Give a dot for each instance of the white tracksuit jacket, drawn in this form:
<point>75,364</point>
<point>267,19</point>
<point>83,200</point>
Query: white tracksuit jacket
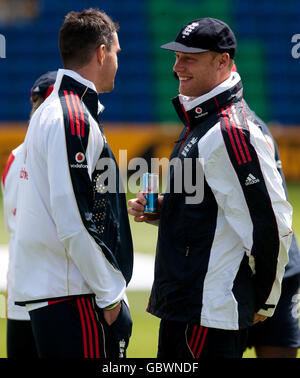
<point>60,250</point>
<point>10,180</point>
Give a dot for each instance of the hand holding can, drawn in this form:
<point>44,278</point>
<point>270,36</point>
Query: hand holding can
<point>150,191</point>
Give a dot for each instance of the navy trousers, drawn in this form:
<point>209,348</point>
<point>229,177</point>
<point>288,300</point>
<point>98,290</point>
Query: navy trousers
<point>76,328</point>
<point>178,340</point>
<point>20,341</point>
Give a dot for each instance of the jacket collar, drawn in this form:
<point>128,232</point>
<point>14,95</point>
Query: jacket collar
<point>86,90</point>
<point>192,112</point>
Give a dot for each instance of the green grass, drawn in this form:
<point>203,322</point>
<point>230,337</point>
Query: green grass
<point>144,237</point>
<point>294,198</point>
<point>2,338</point>
<point>4,236</point>
<point>143,343</point>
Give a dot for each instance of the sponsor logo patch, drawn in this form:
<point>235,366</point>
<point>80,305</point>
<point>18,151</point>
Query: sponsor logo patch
<point>80,158</point>
<point>250,180</point>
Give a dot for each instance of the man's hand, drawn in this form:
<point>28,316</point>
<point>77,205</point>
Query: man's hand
<point>259,318</point>
<point>137,207</point>
<point>110,316</point>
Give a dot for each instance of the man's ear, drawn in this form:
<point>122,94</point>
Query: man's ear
<point>223,60</point>
<point>101,51</point>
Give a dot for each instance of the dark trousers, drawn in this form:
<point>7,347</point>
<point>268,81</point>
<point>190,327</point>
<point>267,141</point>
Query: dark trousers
<point>178,340</point>
<point>281,329</point>
<point>20,340</point>
<point>76,328</point>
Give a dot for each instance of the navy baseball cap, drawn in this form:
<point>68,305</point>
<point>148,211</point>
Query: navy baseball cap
<point>204,34</point>
<point>43,86</point>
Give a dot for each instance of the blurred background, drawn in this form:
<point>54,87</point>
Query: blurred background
<point>139,116</point>
<point>140,104</point>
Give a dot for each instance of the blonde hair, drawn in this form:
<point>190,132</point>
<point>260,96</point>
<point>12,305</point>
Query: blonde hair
<point>36,100</point>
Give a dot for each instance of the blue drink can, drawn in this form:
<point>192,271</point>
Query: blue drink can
<point>150,191</point>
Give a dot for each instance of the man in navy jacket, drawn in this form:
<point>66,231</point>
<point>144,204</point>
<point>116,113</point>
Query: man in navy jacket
<point>221,255</point>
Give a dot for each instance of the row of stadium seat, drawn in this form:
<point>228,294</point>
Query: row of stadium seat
<point>144,81</point>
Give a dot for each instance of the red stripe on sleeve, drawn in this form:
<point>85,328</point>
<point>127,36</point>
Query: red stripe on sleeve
<point>81,114</point>
<point>70,112</point>
<point>236,134</point>
<point>8,164</point>
<point>231,137</point>
<point>76,113</point>
<point>242,135</point>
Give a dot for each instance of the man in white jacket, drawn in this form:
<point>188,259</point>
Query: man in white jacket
<point>74,252</point>
<point>19,339</point>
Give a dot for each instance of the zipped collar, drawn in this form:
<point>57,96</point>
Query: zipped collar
<point>193,112</point>
<point>86,90</point>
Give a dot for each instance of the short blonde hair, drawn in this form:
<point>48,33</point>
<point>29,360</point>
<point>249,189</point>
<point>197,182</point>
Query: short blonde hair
<point>36,100</point>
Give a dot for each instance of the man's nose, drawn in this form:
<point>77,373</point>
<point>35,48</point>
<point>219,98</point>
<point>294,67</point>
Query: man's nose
<point>177,66</point>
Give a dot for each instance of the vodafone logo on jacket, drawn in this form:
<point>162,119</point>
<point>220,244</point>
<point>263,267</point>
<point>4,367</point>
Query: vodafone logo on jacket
<point>80,157</point>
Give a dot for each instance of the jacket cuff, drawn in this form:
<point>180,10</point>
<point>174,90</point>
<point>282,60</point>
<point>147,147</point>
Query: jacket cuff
<point>267,310</point>
<point>112,306</point>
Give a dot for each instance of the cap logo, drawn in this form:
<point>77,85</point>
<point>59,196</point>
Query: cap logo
<point>187,31</point>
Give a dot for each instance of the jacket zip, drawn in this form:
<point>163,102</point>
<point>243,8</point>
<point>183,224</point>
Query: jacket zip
<point>188,126</point>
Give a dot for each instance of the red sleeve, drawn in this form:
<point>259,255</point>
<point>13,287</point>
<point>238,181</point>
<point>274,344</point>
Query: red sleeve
<point>7,167</point>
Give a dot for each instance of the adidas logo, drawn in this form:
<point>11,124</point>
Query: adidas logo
<point>250,180</point>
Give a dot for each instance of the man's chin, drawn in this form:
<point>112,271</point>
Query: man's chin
<point>185,91</point>
<point>107,89</point>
